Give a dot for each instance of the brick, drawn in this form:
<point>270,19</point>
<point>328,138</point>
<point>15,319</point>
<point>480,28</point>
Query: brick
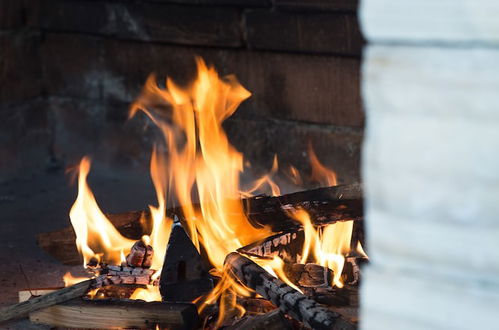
<point>101,130</point>
<point>11,14</point>
<point>143,21</point>
<point>330,33</point>
<point>211,26</point>
<point>19,66</point>
<point>24,138</point>
<point>286,86</point>
<point>259,140</point>
<point>315,89</point>
<point>317,5</point>
<point>73,66</point>
<point>71,16</point>
<point>238,3</point>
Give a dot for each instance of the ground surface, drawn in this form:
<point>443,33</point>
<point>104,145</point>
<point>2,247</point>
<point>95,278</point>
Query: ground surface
<point>41,203</point>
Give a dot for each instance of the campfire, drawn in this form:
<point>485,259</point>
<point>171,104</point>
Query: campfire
<point>231,255</point>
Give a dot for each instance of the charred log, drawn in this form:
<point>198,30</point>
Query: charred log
<point>287,299</point>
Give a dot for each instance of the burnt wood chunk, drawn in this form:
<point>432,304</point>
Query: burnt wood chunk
<point>120,313</point>
<point>287,299</point>
<point>309,275</point>
<point>184,276</point>
<point>140,255</point>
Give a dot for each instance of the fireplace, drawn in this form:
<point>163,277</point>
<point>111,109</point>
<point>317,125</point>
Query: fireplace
<point>247,117</point>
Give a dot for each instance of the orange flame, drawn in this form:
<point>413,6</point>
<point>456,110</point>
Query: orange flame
<point>202,158</point>
<point>96,236</point>
<point>265,179</point>
<point>320,173</point>
<point>326,246</point>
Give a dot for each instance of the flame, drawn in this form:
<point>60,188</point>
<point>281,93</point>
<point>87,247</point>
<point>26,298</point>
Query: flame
<point>265,179</point>
<point>202,159</point>
<point>294,175</point>
<point>151,293</point>
<point>71,280</point>
<point>320,173</point>
<point>326,246</point>
<point>96,237</point>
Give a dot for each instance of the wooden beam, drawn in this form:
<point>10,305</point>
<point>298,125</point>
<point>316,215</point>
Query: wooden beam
<point>120,313</point>
<point>22,309</point>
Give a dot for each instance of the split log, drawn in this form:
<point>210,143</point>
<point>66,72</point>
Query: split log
<point>287,299</point>
<point>124,275</point>
<point>61,243</point>
<point>74,291</point>
<point>185,276</point>
<point>309,275</point>
<point>325,205</point>
<point>121,313</point>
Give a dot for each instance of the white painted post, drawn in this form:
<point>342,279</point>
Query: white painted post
<point>431,164</point>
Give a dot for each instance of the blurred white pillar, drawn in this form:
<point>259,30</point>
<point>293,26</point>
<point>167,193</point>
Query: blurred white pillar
<point>431,164</point>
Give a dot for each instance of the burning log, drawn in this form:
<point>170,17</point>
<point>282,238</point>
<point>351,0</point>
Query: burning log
<point>123,313</point>
<point>74,291</point>
<point>140,255</point>
<point>325,205</point>
<point>289,301</point>
<point>309,275</point>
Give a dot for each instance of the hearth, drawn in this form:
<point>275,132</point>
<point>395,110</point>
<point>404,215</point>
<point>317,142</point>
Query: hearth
<point>227,256</point>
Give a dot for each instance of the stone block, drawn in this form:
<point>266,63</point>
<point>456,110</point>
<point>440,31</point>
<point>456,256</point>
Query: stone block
<point>88,127</point>
<point>433,246</point>
<point>444,22</point>
<point>172,23</point>
<point>330,33</point>
<point>260,140</point>
<point>73,66</point>
<point>317,5</point>
<point>318,89</point>
<point>25,138</point>
<point>397,300</point>
<point>237,3</point>
<point>19,67</point>
<point>11,14</point>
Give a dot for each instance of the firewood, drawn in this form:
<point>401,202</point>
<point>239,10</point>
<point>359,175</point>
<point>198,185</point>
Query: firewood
<point>287,299</point>
<point>184,276</point>
<point>74,291</point>
<point>119,313</point>
<point>124,275</point>
<point>325,205</point>
<point>273,320</point>
<point>309,275</point>
<point>140,255</point>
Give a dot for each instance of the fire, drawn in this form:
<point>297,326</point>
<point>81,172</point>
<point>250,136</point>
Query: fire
<point>194,160</point>
<point>71,280</point>
<point>202,159</point>
<point>320,173</point>
<point>96,237</point>
<point>326,246</point>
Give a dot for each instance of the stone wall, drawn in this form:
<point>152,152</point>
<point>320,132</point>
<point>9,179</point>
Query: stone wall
<point>430,85</point>
<point>71,67</point>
